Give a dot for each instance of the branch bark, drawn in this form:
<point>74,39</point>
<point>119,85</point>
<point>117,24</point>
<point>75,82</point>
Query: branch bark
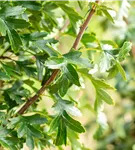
<point>55,73</point>
<point>84,26</point>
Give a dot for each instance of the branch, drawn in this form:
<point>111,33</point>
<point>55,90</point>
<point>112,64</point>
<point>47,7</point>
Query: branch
<point>84,26</point>
<point>40,92</point>
<point>55,73</point>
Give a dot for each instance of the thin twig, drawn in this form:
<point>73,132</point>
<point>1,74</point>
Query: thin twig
<point>83,27</point>
<point>55,73</point>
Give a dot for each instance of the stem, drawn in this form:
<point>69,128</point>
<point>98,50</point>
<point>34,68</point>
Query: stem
<point>84,26</point>
<point>40,92</point>
<point>55,72</point>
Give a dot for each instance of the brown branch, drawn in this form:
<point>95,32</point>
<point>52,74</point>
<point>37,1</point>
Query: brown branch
<point>84,26</point>
<point>55,73</point>
<point>40,92</point>
<point>6,57</point>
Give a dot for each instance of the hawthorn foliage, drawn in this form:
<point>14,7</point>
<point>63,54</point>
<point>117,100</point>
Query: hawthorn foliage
<point>30,63</point>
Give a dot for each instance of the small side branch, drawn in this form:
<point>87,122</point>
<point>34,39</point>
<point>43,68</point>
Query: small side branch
<point>84,26</point>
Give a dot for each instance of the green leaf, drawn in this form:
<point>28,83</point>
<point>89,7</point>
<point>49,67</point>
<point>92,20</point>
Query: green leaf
<point>21,130</point>
<point>105,62</point>
<point>107,14</point>
<point>73,57</point>
<point>4,76</point>
<point>30,141</point>
<point>11,11</point>
<point>40,67</point>
<point>113,72</point>
<point>54,124</point>
<point>35,119</point>
<point>36,36</point>
<point>100,83</point>
<point>10,71</point>
<point>17,23</point>
<point>121,70</point>
<point>66,105</point>
<point>82,4</point>
<point>88,38</point>
<point>72,124</point>
<point>15,40</point>
<point>60,2</point>
<point>55,62</point>
<point>9,143</point>
<point>104,96</point>
<point>13,122</point>
<point>62,133</point>
<point>34,132</point>
<point>4,132</point>
<point>102,125</point>
<point>124,51</point>
<point>71,74</point>
<point>63,85</point>
<point>98,105</point>
<point>72,14</point>
<point>99,133</point>
<point>42,44</point>
<point>3,27</point>
<point>31,5</point>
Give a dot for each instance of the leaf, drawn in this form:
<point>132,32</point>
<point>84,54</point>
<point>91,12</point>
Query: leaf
<point>15,40</point>
<point>4,76</point>
<point>31,5</point>
<point>9,142</point>
<point>54,124</point>
<point>4,132</point>
<point>40,67</point>
<point>13,122</point>
<point>35,119</point>
<point>105,62</point>
<point>63,85</point>
<point>34,132</point>
<point>88,38</point>
<point>68,106</point>
<point>99,133</point>
<point>102,125</point>
<point>100,83</point>
<point>36,36</point>
<point>72,14</point>
<point>104,96</point>
<point>42,44</point>
<point>113,72</point>
<point>107,14</point>
<point>72,124</point>
<point>17,23</point>
<point>11,11</point>
<point>82,4</point>
<point>121,70</point>
<point>73,57</point>
<point>21,130</point>
<point>3,27</point>
<point>98,105</point>
<point>60,2</point>
<point>71,74</point>
<point>10,70</point>
<point>30,142</point>
<point>62,133</point>
<point>124,51</point>
<point>55,63</point>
